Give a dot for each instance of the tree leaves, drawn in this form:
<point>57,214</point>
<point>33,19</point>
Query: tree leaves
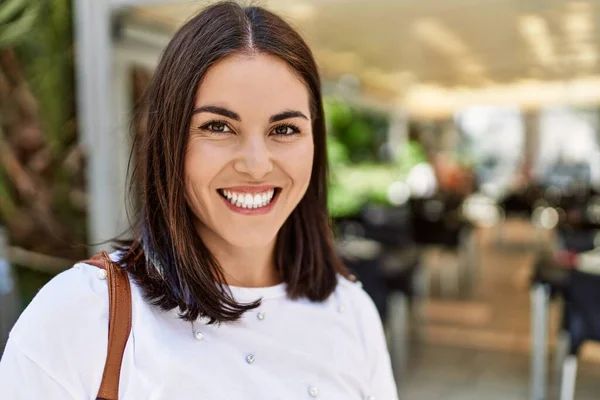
<point>17,18</point>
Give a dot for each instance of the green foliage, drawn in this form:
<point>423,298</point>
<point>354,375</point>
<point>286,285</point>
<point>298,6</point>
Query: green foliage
<point>358,184</point>
<point>411,154</point>
<point>337,153</point>
<point>17,19</point>
<point>40,33</point>
<point>47,54</point>
<point>37,49</point>
<point>362,132</point>
<point>338,115</point>
<point>355,137</point>
<point>7,204</point>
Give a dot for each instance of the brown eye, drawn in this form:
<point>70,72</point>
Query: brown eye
<point>285,130</point>
<point>216,127</point>
<point>282,130</point>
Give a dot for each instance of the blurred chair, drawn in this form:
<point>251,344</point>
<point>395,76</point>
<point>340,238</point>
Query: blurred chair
<point>552,279</point>
<point>522,202</point>
<point>481,211</point>
<point>519,204</point>
<point>582,316</point>
<point>362,256</point>
<point>401,272</point>
<point>549,281</point>
<point>378,247</point>
<point>438,224</point>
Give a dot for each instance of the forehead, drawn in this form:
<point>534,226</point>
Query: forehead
<point>254,83</point>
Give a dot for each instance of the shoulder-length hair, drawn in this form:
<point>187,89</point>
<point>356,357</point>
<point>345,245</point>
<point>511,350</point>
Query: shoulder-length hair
<point>167,258</point>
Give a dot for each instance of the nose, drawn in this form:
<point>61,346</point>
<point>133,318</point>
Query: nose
<point>255,158</point>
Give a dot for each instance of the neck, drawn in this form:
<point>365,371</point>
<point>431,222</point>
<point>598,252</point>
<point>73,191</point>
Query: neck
<point>243,266</point>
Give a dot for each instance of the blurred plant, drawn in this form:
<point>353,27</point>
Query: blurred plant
<point>17,18</point>
<point>337,153</point>
<point>338,115</point>
<point>361,131</point>
<point>358,184</point>
<point>410,154</point>
<point>42,196</point>
<point>355,139</point>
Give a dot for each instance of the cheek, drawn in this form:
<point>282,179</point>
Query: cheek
<point>299,162</point>
<point>202,164</point>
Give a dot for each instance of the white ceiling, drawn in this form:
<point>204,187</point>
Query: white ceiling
<point>432,56</point>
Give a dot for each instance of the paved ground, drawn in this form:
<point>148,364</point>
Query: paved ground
<point>477,347</point>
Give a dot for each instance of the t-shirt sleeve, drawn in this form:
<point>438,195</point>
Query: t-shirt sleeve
<point>59,343</point>
<point>22,379</point>
<point>383,385</point>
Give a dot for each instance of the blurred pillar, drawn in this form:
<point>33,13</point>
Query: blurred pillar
<point>122,95</point>
<point>100,138</point>
<point>531,141</point>
<point>397,132</point>
<point>450,139</point>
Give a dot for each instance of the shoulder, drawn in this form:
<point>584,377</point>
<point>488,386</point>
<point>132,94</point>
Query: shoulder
<point>66,319</point>
<point>76,292</point>
<point>369,327</point>
<point>352,293</point>
<point>351,288</point>
<point>77,295</point>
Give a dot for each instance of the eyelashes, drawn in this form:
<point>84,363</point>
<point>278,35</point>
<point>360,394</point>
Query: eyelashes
<point>216,127</point>
<point>288,129</point>
<point>221,127</point>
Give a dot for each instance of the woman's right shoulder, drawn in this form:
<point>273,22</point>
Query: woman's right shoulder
<point>65,327</point>
<point>62,305</point>
<point>73,302</point>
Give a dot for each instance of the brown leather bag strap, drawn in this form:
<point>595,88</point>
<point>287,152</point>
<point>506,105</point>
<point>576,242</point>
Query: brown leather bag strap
<point>119,324</point>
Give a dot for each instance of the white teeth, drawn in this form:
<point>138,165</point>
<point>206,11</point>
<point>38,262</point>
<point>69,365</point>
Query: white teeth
<point>247,200</point>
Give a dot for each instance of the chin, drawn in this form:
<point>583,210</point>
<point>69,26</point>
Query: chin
<point>255,239</point>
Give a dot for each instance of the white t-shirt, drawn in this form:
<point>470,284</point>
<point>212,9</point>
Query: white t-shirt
<point>286,349</point>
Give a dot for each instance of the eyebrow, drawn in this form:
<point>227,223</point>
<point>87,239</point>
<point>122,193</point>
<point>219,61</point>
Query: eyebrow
<point>218,110</point>
<point>286,115</point>
<point>235,116</point>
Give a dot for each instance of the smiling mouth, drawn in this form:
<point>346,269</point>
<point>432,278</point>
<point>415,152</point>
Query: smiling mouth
<point>250,201</point>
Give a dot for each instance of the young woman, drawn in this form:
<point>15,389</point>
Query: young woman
<point>237,292</point>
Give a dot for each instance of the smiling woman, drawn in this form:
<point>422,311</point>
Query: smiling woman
<point>250,136</point>
<point>236,289</point>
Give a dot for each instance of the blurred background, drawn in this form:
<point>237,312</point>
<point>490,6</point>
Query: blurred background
<point>464,140</point>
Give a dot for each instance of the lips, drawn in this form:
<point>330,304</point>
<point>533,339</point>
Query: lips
<point>250,198</point>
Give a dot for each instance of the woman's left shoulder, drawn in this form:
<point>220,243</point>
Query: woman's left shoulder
<point>370,329</point>
<point>350,291</point>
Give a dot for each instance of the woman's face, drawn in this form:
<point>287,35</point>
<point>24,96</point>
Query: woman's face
<point>250,150</point>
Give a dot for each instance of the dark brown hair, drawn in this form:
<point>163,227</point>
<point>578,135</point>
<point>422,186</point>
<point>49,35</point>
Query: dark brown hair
<point>167,257</point>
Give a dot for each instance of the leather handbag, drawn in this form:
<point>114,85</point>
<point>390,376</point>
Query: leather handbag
<point>119,323</point>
